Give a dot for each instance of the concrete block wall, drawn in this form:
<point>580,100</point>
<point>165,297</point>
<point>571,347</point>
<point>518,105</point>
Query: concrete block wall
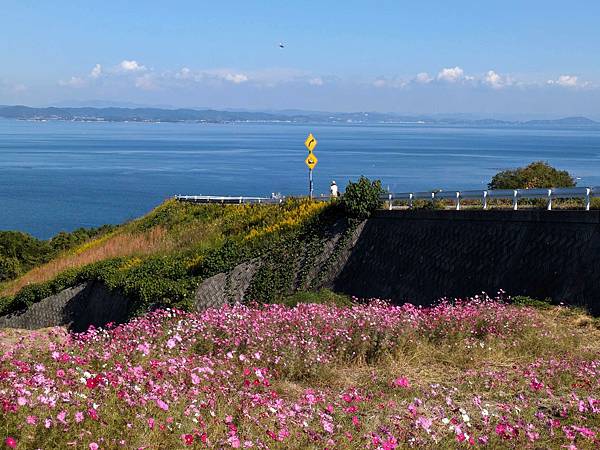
<point>421,255</point>
<point>75,308</point>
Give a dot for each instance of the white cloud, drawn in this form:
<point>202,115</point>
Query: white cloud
<point>235,78</point>
<point>382,82</point>
<point>96,71</point>
<point>187,74</point>
<point>567,81</point>
<point>184,74</point>
<point>73,82</point>
<point>495,80</point>
<point>133,73</point>
<point>131,66</point>
<point>423,78</point>
<point>145,82</point>
<point>451,75</point>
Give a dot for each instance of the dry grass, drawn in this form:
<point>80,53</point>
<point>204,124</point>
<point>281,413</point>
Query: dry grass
<point>34,339</point>
<point>110,246</point>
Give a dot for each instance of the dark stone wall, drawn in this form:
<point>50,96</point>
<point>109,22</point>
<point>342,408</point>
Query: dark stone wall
<point>77,308</point>
<point>421,256</point>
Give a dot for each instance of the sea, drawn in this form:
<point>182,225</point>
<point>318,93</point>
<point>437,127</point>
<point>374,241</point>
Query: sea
<point>59,175</point>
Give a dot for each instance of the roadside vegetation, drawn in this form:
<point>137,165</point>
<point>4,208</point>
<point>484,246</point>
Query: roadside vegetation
<point>538,174</point>
<point>159,259</point>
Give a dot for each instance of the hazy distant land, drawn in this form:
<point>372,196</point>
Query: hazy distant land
<point>117,114</point>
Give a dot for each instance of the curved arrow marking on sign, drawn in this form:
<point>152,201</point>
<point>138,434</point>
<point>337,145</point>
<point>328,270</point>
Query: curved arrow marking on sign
<point>310,142</point>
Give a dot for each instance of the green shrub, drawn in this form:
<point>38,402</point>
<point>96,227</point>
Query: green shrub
<point>538,174</point>
<point>10,268</point>
<point>523,300</point>
<point>324,296</point>
<point>362,197</point>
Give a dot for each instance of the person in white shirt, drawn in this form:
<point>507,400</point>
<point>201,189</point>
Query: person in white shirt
<point>333,190</point>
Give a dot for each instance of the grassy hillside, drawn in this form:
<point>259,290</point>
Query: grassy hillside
<point>20,252</point>
<point>160,258</point>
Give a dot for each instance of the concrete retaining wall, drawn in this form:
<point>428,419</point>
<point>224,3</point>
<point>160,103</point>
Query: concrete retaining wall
<point>421,256</point>
<point>77,307</point>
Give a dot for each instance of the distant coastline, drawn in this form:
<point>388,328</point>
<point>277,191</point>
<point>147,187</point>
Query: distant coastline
<point>158,115</point>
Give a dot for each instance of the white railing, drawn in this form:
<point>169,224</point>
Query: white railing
<point>514,195</point>
<point>228,200</point>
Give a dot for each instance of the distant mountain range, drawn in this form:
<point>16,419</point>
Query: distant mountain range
<point>147,114</point>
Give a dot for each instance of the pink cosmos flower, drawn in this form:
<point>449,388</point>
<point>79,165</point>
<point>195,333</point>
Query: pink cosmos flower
<point>93,413</point>
<point>93,446</point>
<point>402,382</point>
<point>535,384</point>
<point>283,433</point>
<point>584,431</point>
<point>31,420</point>
<point>425,423</point>
<point>144,348</point>
<point>161,404</point>
<point>327,426</point>
<point>11,442</point>
<point>234,441</point>
<point>389,444</point>
<point>61,417</point>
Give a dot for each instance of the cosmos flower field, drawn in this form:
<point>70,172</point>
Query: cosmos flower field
<point>480,373</point>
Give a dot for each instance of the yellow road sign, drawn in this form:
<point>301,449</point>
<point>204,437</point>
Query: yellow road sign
<point>310,142</point>
<point>311,161</point>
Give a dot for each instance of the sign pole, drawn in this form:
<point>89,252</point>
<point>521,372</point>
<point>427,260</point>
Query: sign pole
<point>311,161</point>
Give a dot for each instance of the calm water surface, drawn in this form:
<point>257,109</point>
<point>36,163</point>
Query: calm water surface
<point>62,175</point>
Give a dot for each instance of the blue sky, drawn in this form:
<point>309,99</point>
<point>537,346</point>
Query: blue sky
<point>491,58</point>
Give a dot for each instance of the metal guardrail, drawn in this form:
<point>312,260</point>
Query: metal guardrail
<point>227,200</point>
<point>239,200</point>
<point>514,195</point>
